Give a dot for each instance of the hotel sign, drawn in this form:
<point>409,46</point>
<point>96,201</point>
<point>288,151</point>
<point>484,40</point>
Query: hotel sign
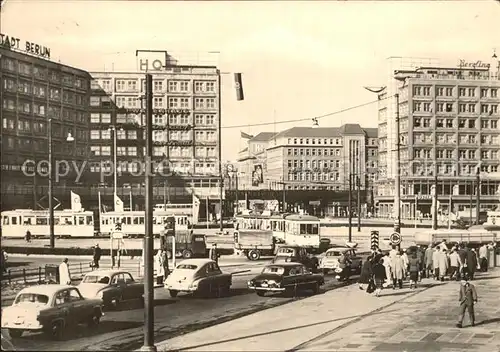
<point>476,64</point>
<point>10,42</point>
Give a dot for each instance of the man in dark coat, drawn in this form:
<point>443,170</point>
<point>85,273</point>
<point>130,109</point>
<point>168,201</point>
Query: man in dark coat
<point>97,255</point>
<point>471,263</point>
<point>366,272</point>
<point>463,259</point>
<point>467,298</point>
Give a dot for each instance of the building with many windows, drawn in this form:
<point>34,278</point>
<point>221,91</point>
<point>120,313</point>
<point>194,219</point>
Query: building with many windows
<point>305,159</point>
<point>186,106</point>
<point>35,93</point>
<point>449,125</point>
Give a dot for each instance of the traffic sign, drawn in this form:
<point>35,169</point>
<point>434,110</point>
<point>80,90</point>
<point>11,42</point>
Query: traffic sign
<point>395,238</point>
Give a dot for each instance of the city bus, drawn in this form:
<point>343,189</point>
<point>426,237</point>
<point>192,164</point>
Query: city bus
<point>67,223</point>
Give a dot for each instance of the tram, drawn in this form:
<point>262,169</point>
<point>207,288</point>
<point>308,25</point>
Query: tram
<point>302,231</point>
<point>67,223</point>
<point>133,223</point>
<point>188,210</point>
<point>263,222</point>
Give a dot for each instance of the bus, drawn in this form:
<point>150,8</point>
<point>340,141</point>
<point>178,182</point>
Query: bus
<point>67,223</point>
<point>472,237</point>
<point>133,223</point>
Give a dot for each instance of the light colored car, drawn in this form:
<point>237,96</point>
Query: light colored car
<point>111,286</point>
<point>198,276</point>
<point>50,309</point>
<point>330,261</point>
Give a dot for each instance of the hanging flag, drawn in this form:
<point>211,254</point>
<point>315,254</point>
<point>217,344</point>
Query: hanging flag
<point>196,208</point>
<point>76,202</point>
<point>118,203</point>
<point>246,135</point>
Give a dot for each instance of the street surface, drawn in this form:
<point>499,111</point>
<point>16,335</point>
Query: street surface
<point>123,329</point>
<point>348,319</point>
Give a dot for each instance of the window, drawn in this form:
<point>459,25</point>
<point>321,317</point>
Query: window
<point>449,107</point>
<point>106,118</point>
<point>472,123</point>
<point>173,86</point>
<point>158,86</point>
<point>184,86</point>
<point>427,91</point>
<point>105,150</point>
<point>184,103</point>
<point>440,91</point>
<point>484,92</point>
<point>427,123</point>
<point>210,87</point>
<point>95,134</point>
<point>417,106</point>
<point>132,85</point>
<point>120,85</point>
<point>462,107</point>
<point>449,92</point>
<point>494,92</point>
<point>121,134</point>
<point>417,90</point>
<point>472,92</point>
<point>131,134</point>
<point>440,123</point>
<point>121,151</point>
<point>484,108</point>
<point>472,108</point>
<point>105,134</point>
<point>158,102</point>
<point>461,92</point>
<point>198,87</point>
<point>132,151</point>
<point>173,102</point>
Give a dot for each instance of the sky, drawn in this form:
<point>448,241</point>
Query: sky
<point>298,59</point>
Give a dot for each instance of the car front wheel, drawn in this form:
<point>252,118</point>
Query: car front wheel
<point>173,293</point>
<point>56,330</point>
<point>260,293</point>
<point>15,333</point>
<point>94,320</point>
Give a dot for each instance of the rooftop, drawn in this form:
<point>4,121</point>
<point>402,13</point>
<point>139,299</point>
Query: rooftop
<point>263,137</point>
<point>47,290</point>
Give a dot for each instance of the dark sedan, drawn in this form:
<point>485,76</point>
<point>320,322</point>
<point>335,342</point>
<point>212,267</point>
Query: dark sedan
<point>286,278</point>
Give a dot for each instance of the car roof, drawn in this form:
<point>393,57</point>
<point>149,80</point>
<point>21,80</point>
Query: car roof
<point>286,264</point>
<point>338,249</point>
<point>48,290</point>
<point>197,261</point>
<point>106,272</point>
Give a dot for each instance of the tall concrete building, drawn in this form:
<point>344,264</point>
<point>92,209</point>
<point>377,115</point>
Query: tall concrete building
<point>304,159</point>
<point>186,130</point>
<point>449,124</point>
<point>37,92</point>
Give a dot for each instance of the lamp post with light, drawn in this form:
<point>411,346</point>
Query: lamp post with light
<point>69,138</point>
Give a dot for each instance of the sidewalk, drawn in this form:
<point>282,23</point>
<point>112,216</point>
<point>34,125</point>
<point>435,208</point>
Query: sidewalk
<point>348,319</point>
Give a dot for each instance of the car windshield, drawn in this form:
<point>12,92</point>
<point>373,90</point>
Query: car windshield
<point>333,254</point>
<point>187,266</point>
<point>273,270</point>
<point>96,279</point>
<point>32,298</point>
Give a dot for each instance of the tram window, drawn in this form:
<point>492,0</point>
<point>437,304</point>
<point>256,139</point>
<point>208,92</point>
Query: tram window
<point>154,220</point>
<point>312,229</point>
<point>90,221</point>
<point>41,221</point>
<point>5,220</point>
<point>303,229</point>
<point>67,220</point>
<point>141,220</point>
<point>135,220</point>
<point>57,221</point>
<point>81,220</point>
<point>27,221</point>
<point>129,220</point>
<point>14,220</point>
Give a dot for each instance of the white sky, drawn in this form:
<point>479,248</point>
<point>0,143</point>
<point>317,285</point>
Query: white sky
<point>298,59</point>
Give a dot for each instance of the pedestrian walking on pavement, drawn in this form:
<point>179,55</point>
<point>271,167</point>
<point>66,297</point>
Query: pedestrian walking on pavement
<point>64,274</point>
<point>387,266</point>
<point>397,271</point>
<point>379,276</point>
<point>467,298</point>
<point>435,262</point>
<point>96,256</point>
<point>483,257</point>
<point>406,262</point>
<point>442,264</point>
<point>28,236</point>
<point>414,266</point>
<point>366,272</point>
<point>213,253</point>
<point>471,262</point>
<point>428,261</point>
<point>455,265</point>
<point>421,268</point>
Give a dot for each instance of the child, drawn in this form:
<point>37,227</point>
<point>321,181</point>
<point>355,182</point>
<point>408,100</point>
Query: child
<point>467,298</point>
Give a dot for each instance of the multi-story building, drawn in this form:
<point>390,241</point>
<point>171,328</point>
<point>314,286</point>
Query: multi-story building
<point>37,93</point>
<point>311,159</point>
<point>449,125</point>
<point>186,130</point>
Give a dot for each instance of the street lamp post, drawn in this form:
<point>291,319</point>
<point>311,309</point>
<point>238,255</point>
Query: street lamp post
<point>69,138</point>
<point>397,200</point>
<point>478,194</point>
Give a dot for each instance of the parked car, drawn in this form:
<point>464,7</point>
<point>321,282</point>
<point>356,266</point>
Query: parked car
<point>296,254</point>
<point>330,261</point>
<point>287,278</point>
<point>51,309</point>
<point>111,286</point>
<point>200,276</point>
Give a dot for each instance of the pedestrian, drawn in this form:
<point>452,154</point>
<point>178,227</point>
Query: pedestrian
<point>406,261</point>
<point>379,276</point>
<point>28,236</point>
<point>4,261</point>
<point>64,274</point>
<point>414,266</point>
<point>442,264</point>
<point>428,261</point>
<point>397,269</point>
<point>462,253</point>
<point>455,265</point>
<point>214,255</point>
<point>467,298</point>
<point>97,255</point>
<point>387,266</point>
<point>443,245</point>
<point>483,257</point>
<point>160,273</point>
<point>471,263</point>
<point>366,273</point>
<point>420,256</point>
<point>435,262</point>
<point>164,260</point>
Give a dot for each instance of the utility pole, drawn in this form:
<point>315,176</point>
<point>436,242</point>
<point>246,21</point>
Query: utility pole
<point>237,197</point>
<point>358,185</point>
<point>478,194</point>
<point>51,190</point>
<point>470,202</point>
<point>221,178</point>
<point>397,199</point>
<point>149,236</point>
<point>435,197</point>
<point>349,202</point>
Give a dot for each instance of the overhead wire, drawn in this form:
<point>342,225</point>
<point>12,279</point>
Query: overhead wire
<point>309,118</point>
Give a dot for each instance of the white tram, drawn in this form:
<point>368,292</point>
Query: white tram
<point>263,222</point>
<point>302,230</point>
<point>179,209</point>
<point>67,223</point>
<point>133,222</point>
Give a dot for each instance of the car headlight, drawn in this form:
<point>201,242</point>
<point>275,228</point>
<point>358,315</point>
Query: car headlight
<point>250,283</point>
<point>100,294</point>
<point>194,285</point>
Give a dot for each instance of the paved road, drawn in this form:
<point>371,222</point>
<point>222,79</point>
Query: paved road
<point>123,329</point>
